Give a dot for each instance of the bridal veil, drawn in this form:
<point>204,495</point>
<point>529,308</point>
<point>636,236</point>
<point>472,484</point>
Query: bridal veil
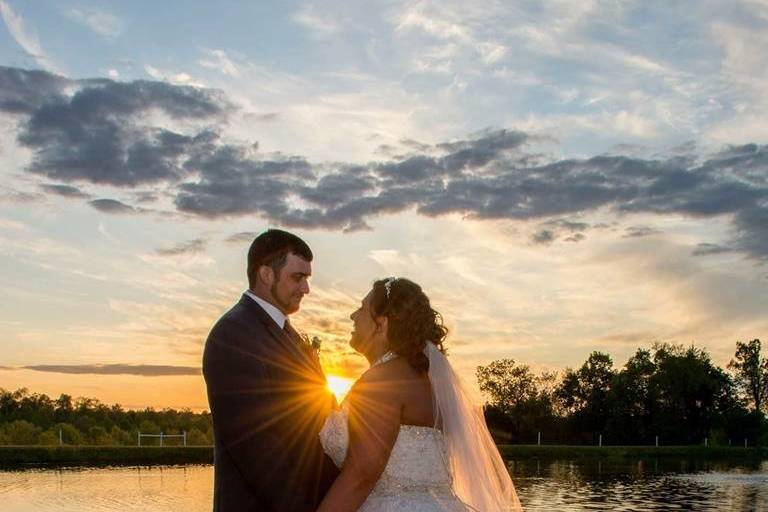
<point>480,477</point>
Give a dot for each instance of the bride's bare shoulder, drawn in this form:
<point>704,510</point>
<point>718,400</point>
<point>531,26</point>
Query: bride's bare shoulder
<point>386,378</point>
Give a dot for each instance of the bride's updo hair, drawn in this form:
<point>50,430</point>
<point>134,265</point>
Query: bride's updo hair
<point>412,323</point>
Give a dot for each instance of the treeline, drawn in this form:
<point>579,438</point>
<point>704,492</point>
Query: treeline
<point>31,419</point>
<point>672,391</point>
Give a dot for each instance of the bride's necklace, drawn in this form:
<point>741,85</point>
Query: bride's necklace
<point>386,357</point>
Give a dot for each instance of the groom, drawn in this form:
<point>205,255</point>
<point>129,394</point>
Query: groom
<point>266,389</point>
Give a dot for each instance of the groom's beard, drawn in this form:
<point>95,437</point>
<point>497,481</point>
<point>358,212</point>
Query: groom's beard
<point>284,306</point>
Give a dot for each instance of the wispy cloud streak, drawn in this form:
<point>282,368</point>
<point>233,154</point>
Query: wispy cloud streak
<point>145,370</point>
<point>26,39</point>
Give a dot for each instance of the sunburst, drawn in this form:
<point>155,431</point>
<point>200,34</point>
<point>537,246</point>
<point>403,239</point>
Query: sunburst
<point>339,386</point>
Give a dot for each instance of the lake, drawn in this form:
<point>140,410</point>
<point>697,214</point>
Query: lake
<point>542,485</point>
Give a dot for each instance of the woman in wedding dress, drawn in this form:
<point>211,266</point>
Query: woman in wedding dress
<point>408,437</point>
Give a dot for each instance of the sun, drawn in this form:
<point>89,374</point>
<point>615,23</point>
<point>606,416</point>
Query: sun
<point>339,386</point>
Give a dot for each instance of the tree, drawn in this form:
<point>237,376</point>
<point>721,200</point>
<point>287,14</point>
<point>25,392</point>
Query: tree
<point>583,394</point>
<point>48,438</point>
<point>507,384</point>
<point>69,433</point>
<point>632,401</point>
<point>86,420</point>
<point>98,436</point>
<point>64,408</point>
<point>21,432</point>
<point>518,400</point>
<point>196,438</point>
<point>690,390</point>
<point>751,373</point>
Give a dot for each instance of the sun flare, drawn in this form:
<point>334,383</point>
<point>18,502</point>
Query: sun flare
<point>339,386</point>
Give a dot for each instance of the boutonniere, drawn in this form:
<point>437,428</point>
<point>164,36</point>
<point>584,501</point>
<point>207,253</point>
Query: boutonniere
<point>316,344</point>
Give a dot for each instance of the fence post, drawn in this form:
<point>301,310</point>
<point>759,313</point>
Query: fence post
<point>538,442</point>
<point>600,442</point>
<point>745,442</point>
<point>139,437</point>
<point>657,441</point>
<point>706,442</point>
<point>161,439</point>
<point>61,438</point>
<point>185,438</point>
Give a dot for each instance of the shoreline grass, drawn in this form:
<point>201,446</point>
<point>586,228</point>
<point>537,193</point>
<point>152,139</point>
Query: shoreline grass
<point>527,451</point>
<point>30,456</point>
<point>25,456</point>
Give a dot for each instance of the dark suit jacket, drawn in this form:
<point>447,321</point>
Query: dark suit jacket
<point>268,400</point>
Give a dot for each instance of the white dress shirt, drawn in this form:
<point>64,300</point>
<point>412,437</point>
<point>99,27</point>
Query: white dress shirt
<point>271,310</point>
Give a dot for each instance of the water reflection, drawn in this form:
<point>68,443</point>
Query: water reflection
<point>641,485</point>
<point>156,489</point>
<point>561,485</point>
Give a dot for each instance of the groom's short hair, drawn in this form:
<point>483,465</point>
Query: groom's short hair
<point>272,248</point>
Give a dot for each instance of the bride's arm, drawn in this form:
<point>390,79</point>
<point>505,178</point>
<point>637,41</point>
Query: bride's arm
<point>374,422</point>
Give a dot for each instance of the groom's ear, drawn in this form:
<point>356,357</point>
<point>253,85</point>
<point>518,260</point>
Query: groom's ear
<point>266,274</point>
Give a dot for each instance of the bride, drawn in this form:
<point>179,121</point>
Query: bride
<point>408,437</point>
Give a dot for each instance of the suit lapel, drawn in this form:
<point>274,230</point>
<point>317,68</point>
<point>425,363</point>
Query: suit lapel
<point>280,336</point>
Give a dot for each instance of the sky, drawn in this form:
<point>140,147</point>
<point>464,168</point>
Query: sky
<point>560,177</point>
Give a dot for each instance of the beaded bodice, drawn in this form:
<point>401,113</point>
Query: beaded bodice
<point>416,464</point>
<point>416,477</point>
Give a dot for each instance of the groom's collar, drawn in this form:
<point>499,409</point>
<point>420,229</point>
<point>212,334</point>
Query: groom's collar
<point>268,308</point>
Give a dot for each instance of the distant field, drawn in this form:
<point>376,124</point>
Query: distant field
<point>150,456</point>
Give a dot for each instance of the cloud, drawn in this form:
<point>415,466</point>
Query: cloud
<point>23,91</point>
<point>174,78</point>
<point>640,231</point>
<point>260,118</point>
<point>12,225</point>
<point>189,247</point>
<point>64,191</point>
<point>27,40</point>
<point>146,370</point>
<point>91,136</point>
<point>439,26</point>
<point>102,22</point>
<point>544,237</point>
<point>220,61</point>
<point>322,23</point>
<point>95,134</point>
<point>242,237</point>
<point>577,237</point>
<point>10,195</point>
<point>144,196</point>
<point>112,206</point>
<point>706,249</point>
<point>553,229</point>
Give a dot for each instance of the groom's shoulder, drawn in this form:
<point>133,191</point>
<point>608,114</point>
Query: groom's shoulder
<point>237,317</point>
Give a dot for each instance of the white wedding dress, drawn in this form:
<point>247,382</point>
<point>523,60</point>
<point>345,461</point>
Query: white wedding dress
<point>416,478</point>
<point>458,469</point>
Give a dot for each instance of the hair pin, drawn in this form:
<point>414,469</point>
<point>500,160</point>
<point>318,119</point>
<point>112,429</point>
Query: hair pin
<point>388,285</point>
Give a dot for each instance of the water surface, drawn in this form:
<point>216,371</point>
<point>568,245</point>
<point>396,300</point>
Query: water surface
<point>560,485</point>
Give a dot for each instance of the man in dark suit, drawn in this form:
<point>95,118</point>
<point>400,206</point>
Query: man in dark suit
<point>267,391</point>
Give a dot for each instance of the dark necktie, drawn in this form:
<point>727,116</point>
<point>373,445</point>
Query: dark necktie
<point>300,342</point>
<point>291,333</point>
